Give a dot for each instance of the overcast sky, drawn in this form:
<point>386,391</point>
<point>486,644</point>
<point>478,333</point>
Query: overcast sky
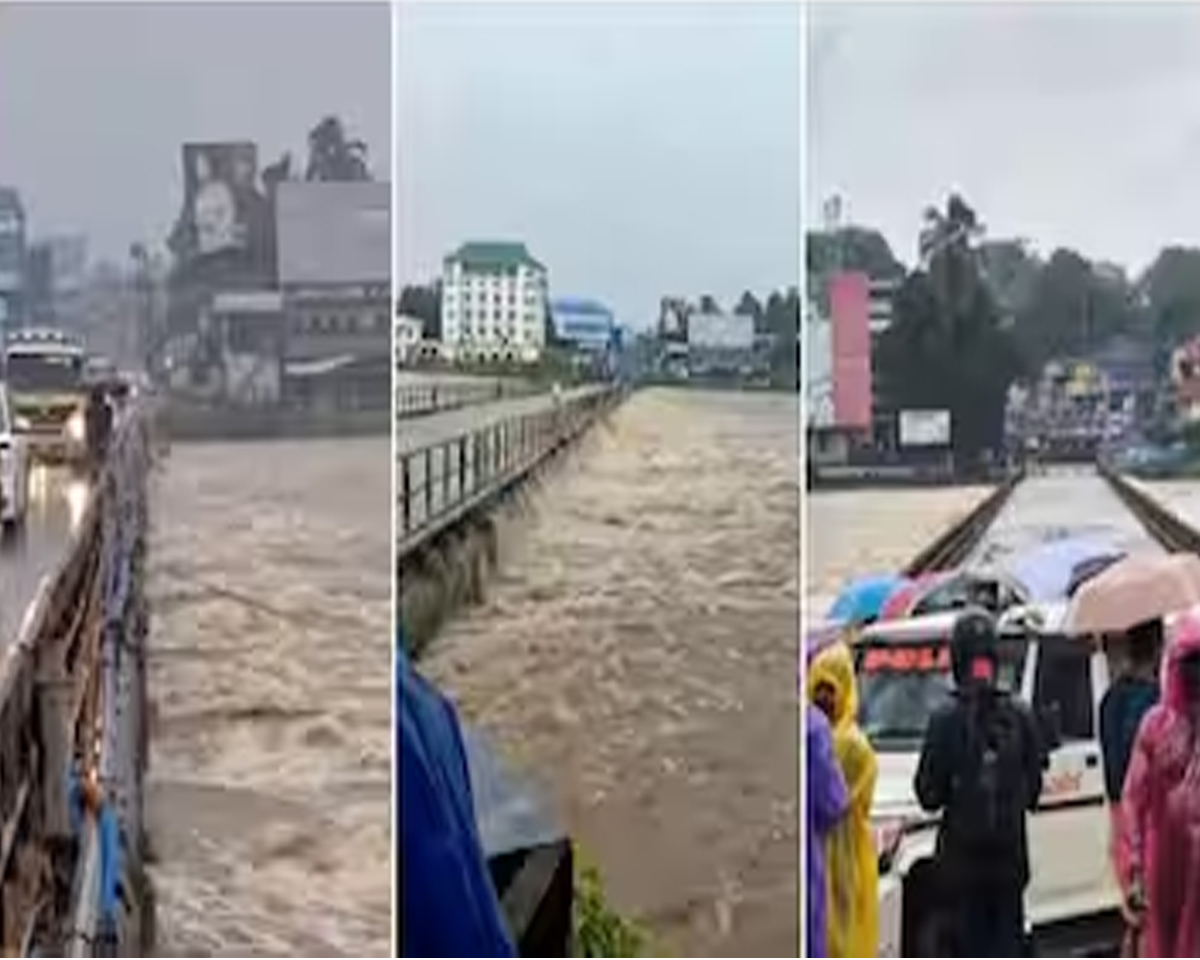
<point>638,150</point>
<point>97,99</point>
<point>1074,125</point>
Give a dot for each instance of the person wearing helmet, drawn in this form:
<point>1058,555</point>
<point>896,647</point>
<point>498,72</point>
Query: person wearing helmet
<point>981,769</point>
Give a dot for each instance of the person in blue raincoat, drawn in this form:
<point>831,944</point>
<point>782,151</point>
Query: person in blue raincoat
<point>448,903</point>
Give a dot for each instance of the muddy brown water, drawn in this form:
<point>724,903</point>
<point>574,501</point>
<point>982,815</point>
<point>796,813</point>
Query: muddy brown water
<point>636,655</point>
<point>269,792</point>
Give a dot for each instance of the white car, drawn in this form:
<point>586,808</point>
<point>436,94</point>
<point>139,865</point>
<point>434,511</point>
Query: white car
<point>903,673</point>
<point>14,469</point>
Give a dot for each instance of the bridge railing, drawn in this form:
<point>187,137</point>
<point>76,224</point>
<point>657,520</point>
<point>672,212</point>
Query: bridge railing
<point>422,398</point>
<point>437,484</point>
<point>72,732</point>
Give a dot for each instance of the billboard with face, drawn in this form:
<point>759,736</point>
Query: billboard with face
<point>219,190</point>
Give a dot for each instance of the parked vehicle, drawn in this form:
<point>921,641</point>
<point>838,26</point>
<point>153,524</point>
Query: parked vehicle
<point>14,469</point>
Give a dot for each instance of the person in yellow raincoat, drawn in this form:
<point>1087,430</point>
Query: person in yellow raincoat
<point>852,865</point>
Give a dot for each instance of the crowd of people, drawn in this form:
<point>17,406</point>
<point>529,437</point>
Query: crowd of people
<point>981,772</point>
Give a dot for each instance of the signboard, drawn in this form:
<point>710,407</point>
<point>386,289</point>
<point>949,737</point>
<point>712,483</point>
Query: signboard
<point>721,331</point>
<point>925,658</point>
<point>850,315</point>
<point>219,185</point>
<point>924,428</point>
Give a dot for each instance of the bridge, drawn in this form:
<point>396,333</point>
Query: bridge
<point>455,465</point>
<point>73,737</point>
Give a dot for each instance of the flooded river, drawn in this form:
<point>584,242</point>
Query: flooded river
<point>270,676</point>
<point>637,655</point>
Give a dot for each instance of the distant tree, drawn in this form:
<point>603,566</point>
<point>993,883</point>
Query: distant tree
<point>425,303</point>
<point>946,347</point>
<point>277,173</point>
<point>1170,292</point>
<point>551,331</point>
<point>781,319</point>
<point>708,304</point>
<point>748,306</point>
<point>331,156</point>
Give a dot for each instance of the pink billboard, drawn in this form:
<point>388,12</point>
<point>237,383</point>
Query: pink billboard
<point>850,313</point>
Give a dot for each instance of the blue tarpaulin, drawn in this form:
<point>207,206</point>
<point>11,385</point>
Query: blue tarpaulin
<point>449,906</point>
<point>1046,571</point>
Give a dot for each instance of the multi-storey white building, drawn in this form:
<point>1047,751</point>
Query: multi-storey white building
<point>493,303</point>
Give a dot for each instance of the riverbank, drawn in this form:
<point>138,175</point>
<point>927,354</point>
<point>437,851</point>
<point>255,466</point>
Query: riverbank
<point>186,422</point>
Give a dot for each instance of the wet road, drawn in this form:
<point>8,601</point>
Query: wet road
<point>271,651</point>
<point>56,502</point>
<point>1064,501</point>
<point>636,654</point>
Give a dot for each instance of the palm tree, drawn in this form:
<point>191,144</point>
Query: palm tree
<point>332,157</point>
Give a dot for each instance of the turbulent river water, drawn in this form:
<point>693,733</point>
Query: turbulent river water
<point>636,654</point>
<point>270,675</point>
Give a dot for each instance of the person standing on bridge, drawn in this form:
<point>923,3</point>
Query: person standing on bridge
<point>1126,701</point>
<point>448,904</point>
<point>981,768</point>
<point>1160,808</point>
<point>827,804</point>
<point>852,880</point>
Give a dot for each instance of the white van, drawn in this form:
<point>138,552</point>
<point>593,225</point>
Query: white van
<point>903,670</point>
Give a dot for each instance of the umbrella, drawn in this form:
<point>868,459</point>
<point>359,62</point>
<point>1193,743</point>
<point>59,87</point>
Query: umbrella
<point>901,603</point>
<point>862,599</point>
<point>1088,569</point>
<point>1133,590</point>
<point>1049,570</point>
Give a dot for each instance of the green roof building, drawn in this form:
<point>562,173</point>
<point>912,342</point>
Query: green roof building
<point>494,302</point>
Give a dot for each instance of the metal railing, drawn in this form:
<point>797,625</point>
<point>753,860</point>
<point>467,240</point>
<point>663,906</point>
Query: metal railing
<point>423,398</point>
<point>72,733</point>
<point>437,484</point>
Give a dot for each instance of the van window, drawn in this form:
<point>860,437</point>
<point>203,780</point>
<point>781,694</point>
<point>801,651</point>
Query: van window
<point>1064,685</point>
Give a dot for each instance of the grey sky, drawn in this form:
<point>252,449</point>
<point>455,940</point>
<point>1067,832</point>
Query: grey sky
<point>1072,125</point>
<point>97,99</point>
<point>639,150</point>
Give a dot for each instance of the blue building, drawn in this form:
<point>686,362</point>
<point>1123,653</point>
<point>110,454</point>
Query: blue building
<point>585,324</point>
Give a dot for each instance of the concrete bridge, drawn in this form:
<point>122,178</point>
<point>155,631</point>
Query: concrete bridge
<point>452,468</point>
<point>73,738</point>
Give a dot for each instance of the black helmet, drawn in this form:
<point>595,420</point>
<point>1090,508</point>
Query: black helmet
<point>973,636</point>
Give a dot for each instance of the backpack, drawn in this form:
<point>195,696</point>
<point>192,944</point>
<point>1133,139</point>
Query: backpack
<point>987,806</point>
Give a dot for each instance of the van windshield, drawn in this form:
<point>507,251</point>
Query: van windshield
<point>901,684</point>
<point>33,373</point>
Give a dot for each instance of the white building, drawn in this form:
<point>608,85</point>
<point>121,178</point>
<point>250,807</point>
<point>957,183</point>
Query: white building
<point>493,303</point>
<point>409,331</point>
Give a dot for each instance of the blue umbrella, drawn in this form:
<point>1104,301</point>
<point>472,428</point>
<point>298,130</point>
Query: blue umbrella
<point>1047,570</point>
<point>864,598</point>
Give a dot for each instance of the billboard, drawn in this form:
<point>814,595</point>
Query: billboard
<point>924,428</point>
<point>850,314</point>
<point>721,331</point>
<point>219,183</point>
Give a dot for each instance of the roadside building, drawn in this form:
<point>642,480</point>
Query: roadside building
<point>333,242</point>
<point>12,259</point>
<point>409,333</point>
<point>494,303</point>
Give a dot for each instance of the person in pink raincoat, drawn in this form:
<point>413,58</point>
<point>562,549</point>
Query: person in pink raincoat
<point>1160,808</point>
